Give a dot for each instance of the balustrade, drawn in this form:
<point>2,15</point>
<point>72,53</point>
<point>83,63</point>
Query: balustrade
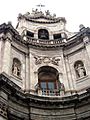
<point>44,42</point>
<point>54,92</point>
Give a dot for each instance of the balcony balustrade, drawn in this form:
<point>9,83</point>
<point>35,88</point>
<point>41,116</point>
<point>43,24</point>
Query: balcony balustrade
<point>35,41</point>
<point>54,92</point>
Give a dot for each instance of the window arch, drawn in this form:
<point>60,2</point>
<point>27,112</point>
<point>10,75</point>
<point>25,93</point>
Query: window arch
<point>79,69</point>
<point>48,81</point>
<point>16,67</point>
<point>43,34</point>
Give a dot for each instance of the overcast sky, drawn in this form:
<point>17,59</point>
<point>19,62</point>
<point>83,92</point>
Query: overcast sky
<point>76,12</point>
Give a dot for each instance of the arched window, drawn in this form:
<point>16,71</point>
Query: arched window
<point>16,67</point>
<point>79,69</point>
<point>43,34</point>
<point>48,81</point>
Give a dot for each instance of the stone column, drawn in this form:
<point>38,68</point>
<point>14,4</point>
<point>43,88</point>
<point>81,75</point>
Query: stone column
<point>27,82</point>
<point>7,55</point>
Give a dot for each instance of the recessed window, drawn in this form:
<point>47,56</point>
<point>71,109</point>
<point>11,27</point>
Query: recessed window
<point>43,34</point>
<point>48,81</point>
<point>57,36</point>
<point>30,34</point>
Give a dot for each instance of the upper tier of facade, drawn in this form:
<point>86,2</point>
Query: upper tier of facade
<point>42,57</point>
<point>44,69</point>
<point>39,25</point>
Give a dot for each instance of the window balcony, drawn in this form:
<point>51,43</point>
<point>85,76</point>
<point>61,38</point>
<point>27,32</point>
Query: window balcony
<point>53,92</point>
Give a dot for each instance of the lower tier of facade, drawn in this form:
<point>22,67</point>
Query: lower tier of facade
<point>15,104</point>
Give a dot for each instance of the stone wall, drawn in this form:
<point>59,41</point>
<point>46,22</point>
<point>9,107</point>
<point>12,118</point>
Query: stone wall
<point>24,106</point>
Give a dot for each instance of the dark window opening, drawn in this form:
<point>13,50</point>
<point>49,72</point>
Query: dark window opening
<point>57,36</point>
<point>48,80</point>
<point>30,34</point>
<point>43,34</point>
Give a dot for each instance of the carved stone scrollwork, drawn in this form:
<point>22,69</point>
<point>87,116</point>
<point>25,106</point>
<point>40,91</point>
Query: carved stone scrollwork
<point>45,59</point>
<point>3,109</point>
<point>55,60</point>
<point>38,60</point>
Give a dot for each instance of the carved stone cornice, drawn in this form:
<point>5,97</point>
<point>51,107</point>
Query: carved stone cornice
<point>76,39</point>
<point>4,28</point>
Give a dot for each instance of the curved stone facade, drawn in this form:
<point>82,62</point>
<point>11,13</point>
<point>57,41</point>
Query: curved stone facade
<point>18,105</point>
<point>44,69</point>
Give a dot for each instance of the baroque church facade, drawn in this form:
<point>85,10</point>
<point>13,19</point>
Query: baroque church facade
<point>44,69</point>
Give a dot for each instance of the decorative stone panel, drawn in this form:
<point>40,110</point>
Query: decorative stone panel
<point>3,109</point>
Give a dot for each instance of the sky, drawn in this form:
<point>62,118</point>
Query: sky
<point>76,12</point>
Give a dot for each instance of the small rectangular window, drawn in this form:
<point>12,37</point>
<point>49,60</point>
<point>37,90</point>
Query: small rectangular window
<point>57,36</point>
<point>30,34</point>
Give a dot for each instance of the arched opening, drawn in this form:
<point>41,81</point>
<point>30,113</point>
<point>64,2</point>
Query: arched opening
<point>79,69</point>
<point>43,34</point>
<point>48,81</point>
<point>16,67</point>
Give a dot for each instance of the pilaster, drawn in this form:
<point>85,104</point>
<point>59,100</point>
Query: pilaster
<point>65,82</point>
<point>27,82</point>
<point>7,54</point>
<point>86,41</point>
<point>60,77</point>
<point>71,84</point>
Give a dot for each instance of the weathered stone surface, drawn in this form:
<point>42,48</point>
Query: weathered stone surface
<point>44,48</point>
